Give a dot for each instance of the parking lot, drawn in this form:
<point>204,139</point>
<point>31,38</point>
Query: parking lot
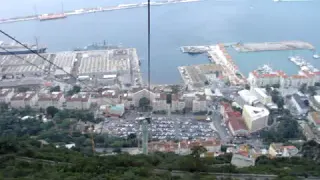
<point>161,128</point>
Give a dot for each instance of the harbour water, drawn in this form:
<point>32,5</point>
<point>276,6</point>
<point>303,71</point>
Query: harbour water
<point>173,26</point>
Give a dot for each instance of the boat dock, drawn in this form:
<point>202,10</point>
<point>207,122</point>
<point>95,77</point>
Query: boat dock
<point>273,46</point>
<point>96,9</point>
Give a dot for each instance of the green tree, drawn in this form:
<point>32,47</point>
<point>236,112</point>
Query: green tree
<point>196,151</point>
<point>51,110</point>
<point>55,89</point>
<point>144,103</point>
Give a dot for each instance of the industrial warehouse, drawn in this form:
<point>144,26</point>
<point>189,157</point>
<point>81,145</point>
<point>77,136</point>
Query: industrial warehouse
<point>98,68</point>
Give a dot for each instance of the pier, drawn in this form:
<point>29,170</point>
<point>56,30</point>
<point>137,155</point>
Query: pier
<point>273,46</point>
<point>95,10</point>
<point>195,49</point>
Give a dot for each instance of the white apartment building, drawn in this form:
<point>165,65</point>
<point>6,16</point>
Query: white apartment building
<point>81,100</point>
<point>256,118</point>
<point>55,99</point>
<point>262,95</point>
<point>22,100</point>
<point>246,98</point>
<point>6,95</point>
<point>199,104</point>
<point>256,79</point>
<point>160,103</point>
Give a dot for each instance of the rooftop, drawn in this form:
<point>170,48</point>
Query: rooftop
<point>237,124</point>
<point>5,92</point>
<point>255,112</point>
<point>247,96</point>
<point>54,96</point>
<point>83,97</point>
<point>23,96</point>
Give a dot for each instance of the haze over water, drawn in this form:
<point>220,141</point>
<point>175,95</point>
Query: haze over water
<point>200,23</point>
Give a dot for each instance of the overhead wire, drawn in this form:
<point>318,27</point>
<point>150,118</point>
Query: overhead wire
<point>19,57</point>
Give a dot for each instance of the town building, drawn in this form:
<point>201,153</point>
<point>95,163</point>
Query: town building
<point>142,93</point>
<point>314,118</point>
<point>308,132</point>
<point>237,125</point>
<point>315,102</point>
<point>177,104</point>
<point>109,97</point>
<point>225,109</point>
<point>22,100</point>
<point>256,118</point>
<point>6,95</point>
<point>261,79</point>
<point>55,99</point>
<point>246,98</point>
<point>262,95</point>
<point>199,104</point>
<point>300,104</point>
<point>279,150</point>
<point>81,100</point>
<point>116,110</point>
<point>184,147</point>
<point>242,159</point>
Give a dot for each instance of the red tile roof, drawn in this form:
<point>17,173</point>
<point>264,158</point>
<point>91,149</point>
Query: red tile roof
<point>50,97</point>
<point>298,77</point>
<point>237,124</point>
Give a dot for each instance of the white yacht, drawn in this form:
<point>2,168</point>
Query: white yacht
<point>316,56</point>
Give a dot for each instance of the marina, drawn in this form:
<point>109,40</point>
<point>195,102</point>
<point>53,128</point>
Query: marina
<point>303,64</point>
<point>53,16</point>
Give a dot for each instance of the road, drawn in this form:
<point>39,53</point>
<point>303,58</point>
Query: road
<point>219,125</point>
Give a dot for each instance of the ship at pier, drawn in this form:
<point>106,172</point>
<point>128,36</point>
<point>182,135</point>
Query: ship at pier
<point>19,49</point>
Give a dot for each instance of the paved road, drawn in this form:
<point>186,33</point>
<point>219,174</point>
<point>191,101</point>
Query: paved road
<point>218,124</point>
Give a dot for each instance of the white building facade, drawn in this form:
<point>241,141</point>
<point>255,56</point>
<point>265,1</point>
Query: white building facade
<point>256,118</point>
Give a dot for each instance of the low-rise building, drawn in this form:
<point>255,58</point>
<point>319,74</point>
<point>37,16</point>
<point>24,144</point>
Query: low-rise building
<point>143,93</point>
<point>81,100</point>
<point>6,95</point>
<point>55,99</point>
<point>113,110</point>
<point>262,95</point>
<point>315,102</point>
<point>314,118</point>
<point>300,103</point>
<point>22,100</point>
<point>237,126</point>
<point>256,118</point>
<point>109,97</point>
<point>246,98</point>
<point>199,104</point>
<point>242,159</point>
<point>279,150</point>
